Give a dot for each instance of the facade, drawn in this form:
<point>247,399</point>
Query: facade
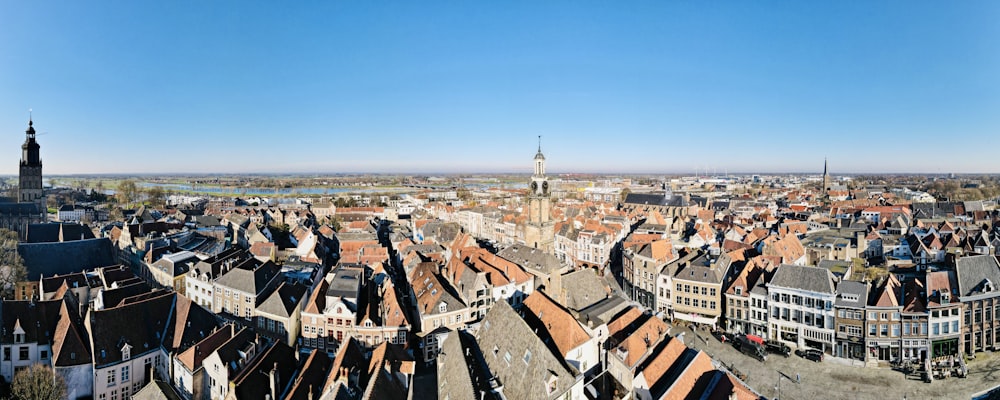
<point>539,230</point>
<point>945,315</point>
<point>884,321</point>
<point>852,296</point>
<point>697,294</point>
<point>978,280</point>
<point>240,290</point>
<point>801,301</point>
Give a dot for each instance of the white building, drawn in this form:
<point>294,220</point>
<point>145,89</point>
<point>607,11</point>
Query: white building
<point>801,302</point>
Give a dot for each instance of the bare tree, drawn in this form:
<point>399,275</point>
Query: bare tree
<point>157,196</point>
<point>12,268</point>
<point>127,191</point>
<point>38,382</point>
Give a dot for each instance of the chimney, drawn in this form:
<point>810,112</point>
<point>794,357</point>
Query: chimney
<point>273,380</point>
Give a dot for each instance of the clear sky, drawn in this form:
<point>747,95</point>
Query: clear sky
<point>462,86</point>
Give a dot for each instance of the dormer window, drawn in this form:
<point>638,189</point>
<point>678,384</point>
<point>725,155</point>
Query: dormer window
<point>126,352</point>
<point>443,307</point>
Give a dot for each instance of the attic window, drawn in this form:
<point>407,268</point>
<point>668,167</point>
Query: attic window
<point>443,307</point>
<point>496,350</point>
<point>527,356</point>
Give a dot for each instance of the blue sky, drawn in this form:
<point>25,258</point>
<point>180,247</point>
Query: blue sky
<point>664,86</point>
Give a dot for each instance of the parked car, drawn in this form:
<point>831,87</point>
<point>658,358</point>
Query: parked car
<point>777,347</point>
<point>749,347</point>
<point>721,335</point>
<point>810,354</point>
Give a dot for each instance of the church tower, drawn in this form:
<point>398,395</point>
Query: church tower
<point>29,189</point>
<point>826,178</point>
<point>539,230</point>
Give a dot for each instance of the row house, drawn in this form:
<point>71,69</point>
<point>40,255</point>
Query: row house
<point>697,287</point>
<point>50,333</point>
<point>915,330</point>
<point>555,324</point>
<point>239,291</point>
<point>801,302</point>
<point>884,321</point>
<point>133,342</point>
<point>643,260</point>
<point>944,315</point>
<point>200,281</point>
<point>331,311</point>
<point>203,371</point>
<point>978,277</point>
<point>852,297</point>
<point>739,302</point>
<point>632,337</point>
<point>357,302</point>
<point>279,314</point>
<point>438,308</point>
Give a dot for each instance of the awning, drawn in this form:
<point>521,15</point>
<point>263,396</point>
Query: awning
<point>695,318</point>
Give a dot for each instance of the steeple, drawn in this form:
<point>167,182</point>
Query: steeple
<point>539,160</point>
<point>826,177</point>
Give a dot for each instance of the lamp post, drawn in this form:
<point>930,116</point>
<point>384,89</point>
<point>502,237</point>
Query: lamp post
<point>782,375</point>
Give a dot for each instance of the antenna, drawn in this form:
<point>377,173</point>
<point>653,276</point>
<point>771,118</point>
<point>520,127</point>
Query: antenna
<point>539,143</point>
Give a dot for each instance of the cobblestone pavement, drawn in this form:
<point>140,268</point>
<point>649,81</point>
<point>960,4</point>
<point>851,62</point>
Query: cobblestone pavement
<point>832,379</point>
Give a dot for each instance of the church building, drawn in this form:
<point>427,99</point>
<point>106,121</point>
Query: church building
<point>29,206</point>
<point>539,231</point>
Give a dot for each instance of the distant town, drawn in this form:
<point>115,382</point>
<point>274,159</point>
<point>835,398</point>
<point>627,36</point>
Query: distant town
<point>499,286</point>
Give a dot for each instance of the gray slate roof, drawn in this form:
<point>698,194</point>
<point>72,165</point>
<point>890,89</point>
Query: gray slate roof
<point>812,279</point>
<point>852,294</point>
<point>454,381</point>
<point>530,258</point>
<point>583,289</point>
<point>250,277</point>
<point>282,302</point>
<point>973,271</point>
<point>504,332</point>
<point>65,257</point>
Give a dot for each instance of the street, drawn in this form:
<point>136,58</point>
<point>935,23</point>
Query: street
<point>831,379</point>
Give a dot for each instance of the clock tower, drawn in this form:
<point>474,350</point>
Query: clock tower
<point>539,229</point>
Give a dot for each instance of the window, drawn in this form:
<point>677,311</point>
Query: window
<point>711,305</point>
<point>236,296</point>
<point>44,355</point>
<point>687,288</point>
<point>506,357</point>
<point>872,329</point>
<point>527,356</point>
<point>884,330</point>
<point>711,292</point>
<point>125,374</point>
<point>704,291</point>
<point>22,353</point>
<point>678,287</point>
<point>114,394</point>
<point>954,326</point>
<point>6,353</point>
<point>872,316</point>
<point>895,330</point>
<point>111,378</point>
